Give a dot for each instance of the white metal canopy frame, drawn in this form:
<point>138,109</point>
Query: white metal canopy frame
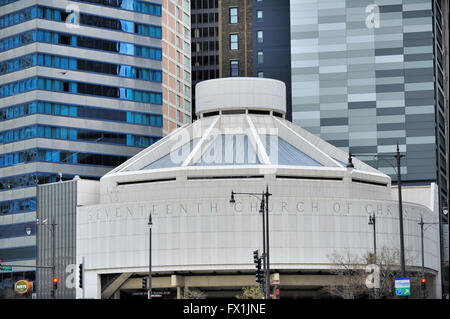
<point>246,136</point>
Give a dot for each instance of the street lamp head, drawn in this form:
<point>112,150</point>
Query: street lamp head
<point>261,208</point>
<point>28,230</point>
<point>232,201</point>
<point>350,163</point>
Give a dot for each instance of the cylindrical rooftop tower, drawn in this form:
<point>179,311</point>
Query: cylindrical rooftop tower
<point>239,95</point>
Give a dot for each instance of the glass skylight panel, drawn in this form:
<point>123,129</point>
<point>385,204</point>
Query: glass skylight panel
<point>281,152</point>
<point>174,158</point>
<point>229,149</point>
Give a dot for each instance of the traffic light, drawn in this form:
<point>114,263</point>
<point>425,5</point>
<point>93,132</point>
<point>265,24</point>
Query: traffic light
<point>423,285</point>
<point>423,281</point>
<point>255,256</point>
<point>144,283</point>
<point>80,268</point>
<point>259,276</point>
<point>0,262</point>
<point>55,283</point>
<point>257,261</point>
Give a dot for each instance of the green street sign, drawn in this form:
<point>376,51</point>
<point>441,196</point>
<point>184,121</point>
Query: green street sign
<point>403,292</point>
<point>402,287</point>
<point>6,268</point>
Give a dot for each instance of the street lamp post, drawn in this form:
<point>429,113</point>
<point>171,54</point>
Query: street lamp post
<point>28,231</point>
<point>150,223</point>
<point>398,157</point>
<point>421,223</point>
<point>53,266</point>
<point>264,210</point>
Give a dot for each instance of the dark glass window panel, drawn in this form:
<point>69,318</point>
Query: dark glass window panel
<point>234,68</point>
<point>233,15</point>
<point>133,5</point>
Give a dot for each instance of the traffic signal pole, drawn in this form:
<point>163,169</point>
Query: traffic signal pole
<point>53,293</point>
<point>267,194</point>
<point>264,254</point>
<point>150,223</point>
<point>423,279</point>
<point>264,211</point>
<point>423,259</point>
<point>81,275</point>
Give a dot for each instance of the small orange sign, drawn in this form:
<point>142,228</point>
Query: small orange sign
<point>23,286</point>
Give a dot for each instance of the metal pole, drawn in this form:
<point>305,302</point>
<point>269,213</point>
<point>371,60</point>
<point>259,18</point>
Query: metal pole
<point>375,248</point>
<point>421,238</point>
<point>374,238</point>
<point>264,244</point>
<point>150,257</point>
<point>423,257</point>
<point>53,254</point>
<point>267,238</point>
<point>402,246</point>
<point>82,279</point>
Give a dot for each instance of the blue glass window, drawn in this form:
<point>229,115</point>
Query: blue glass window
<point>73,111</point>
<point>48,13</point>
<point>72,64</point>
<point>81,41</point>
<point>72,134</point>
<point>78,111</point>
<point>64,62</point>
<point>47,37</point>
<point>48,108</point>
<point>57,15</point>
<point>63,133</point>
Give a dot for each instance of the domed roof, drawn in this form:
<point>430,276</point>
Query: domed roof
<point>241,137</point>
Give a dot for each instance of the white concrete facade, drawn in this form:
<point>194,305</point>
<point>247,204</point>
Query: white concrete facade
<point>315,210</point>
<point>238,93</point>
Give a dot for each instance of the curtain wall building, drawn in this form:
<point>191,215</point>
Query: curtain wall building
<point>241,39</point>
<point>84,85</point>
<point>368,75</point>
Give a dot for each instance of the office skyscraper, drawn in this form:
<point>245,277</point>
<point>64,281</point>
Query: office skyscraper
<point>176,64</point>
<point>205,42</point>
<point>367,75</point>
<point>246,38</point>
<point>84,85</point>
